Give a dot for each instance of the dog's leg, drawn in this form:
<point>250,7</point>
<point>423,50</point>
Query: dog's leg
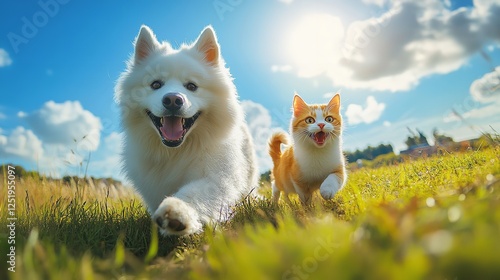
<point>195,203</point>
<point>176,217</point>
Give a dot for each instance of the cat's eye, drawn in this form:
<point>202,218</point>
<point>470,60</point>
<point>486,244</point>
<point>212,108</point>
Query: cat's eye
<point>191,86</point>
<point>309,120</point>
<point>329,119</point>
<point>156,84</point>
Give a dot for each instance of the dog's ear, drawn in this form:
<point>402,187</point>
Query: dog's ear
<point>145,44</point>
<point>208,46</point>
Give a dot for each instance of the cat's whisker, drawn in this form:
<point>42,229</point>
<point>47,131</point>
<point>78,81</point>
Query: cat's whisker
<point>334,134</point>
<point>304,135</point>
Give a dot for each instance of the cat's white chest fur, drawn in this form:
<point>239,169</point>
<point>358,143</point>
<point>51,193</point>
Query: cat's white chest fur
<point>317,163</point>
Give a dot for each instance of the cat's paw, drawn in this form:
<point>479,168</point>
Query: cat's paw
<point>176,217</point>
<point>330,187</point>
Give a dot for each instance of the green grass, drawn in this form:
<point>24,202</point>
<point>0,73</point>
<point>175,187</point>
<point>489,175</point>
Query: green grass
<point>433,218</point>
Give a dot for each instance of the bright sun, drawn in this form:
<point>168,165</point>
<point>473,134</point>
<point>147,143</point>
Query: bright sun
<point>314,43</point>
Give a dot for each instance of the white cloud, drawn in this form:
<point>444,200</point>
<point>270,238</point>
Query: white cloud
<point>487,88</point>
<point>393,52</point>
<point>329,95</point>
<point>114,142</point>
<point>5,59</point>
<point>412,40</point>
<point>107,160</point>
<point>485,93</point>
<point>483,112</point>
<point>260,125</point>
<point>281,68</point>
<point>286,1</point>
<point>451,117</point>
<point>379,3</point>
<point>65,124</point>
<point>372,112</point>
<point>21,143</point>
<point>58,139</point>
<point>465,131</point>
<point>387,123</point>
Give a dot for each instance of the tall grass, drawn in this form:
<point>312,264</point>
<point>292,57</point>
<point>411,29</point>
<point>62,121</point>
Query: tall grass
<point>433,218</point>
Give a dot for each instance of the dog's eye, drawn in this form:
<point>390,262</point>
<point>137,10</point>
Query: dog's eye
<point>309,120</point>
<point>191,86</point>
<point>329,119</point>
<point>156,85</point>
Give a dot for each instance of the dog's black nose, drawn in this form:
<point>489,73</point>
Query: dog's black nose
<point>173,101</point>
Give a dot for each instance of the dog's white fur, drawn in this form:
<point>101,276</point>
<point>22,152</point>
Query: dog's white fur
<point>215,165</point>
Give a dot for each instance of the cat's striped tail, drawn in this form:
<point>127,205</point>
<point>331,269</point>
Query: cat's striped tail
<point>275,146</point>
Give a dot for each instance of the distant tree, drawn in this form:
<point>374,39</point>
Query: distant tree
<point>20,172</point>
<point>66,180</point>
<point>421,138</point>
<point>416,139</point>
<point>383,149</point>
<point>386,159</point>
<point>265,177</point>
<point>410,142</point>
<point>369,153</point>
<point>69,180</point>
<point>441,139</point>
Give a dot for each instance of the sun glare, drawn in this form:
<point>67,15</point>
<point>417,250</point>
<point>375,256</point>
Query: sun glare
<point>314,43</point>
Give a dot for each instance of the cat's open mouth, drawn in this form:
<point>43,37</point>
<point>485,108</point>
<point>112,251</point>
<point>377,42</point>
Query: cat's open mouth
<point>319,137</point>
<point>172,129</point>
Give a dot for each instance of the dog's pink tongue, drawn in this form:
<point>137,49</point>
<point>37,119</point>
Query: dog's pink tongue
<point>172,128</point>
<point>320,137</point>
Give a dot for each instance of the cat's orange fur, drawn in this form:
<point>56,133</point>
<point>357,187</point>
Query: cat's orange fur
<point>313,158</point>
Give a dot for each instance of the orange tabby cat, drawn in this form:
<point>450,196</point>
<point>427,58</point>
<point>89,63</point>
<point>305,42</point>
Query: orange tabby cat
<point>314,160</point>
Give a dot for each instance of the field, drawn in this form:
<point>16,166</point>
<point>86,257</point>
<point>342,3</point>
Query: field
<point>431,218</point>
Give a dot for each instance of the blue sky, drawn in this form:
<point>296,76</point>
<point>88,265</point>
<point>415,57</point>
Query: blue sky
<point>397,64</point>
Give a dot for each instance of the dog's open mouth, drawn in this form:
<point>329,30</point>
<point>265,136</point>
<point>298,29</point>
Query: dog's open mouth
<point>172,129</point>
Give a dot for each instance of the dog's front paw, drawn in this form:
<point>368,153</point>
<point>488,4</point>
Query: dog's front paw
<point>176,217</point>
<point>329,187</point>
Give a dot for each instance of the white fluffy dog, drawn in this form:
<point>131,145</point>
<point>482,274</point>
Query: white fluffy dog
<point>187,148</point>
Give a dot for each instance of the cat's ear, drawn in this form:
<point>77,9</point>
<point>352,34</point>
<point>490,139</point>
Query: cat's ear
<point>208,46</point>
<point>145,44</point>
<point>299,106</point>
<point>334,104</point>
